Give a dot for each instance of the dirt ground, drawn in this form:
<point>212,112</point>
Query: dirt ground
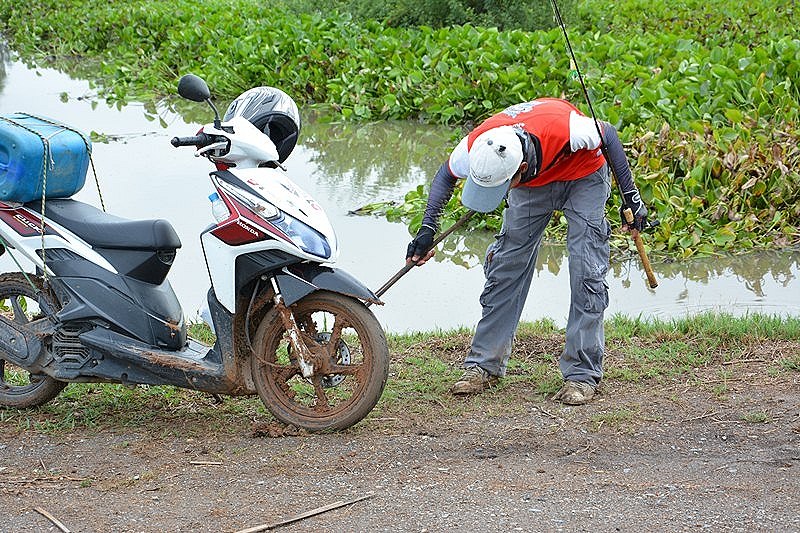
<point>674,456</point>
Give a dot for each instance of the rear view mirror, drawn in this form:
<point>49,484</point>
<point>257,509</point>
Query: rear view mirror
<point>193,88</point>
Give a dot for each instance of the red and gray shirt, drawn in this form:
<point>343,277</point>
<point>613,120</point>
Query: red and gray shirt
<point>568,149</point>
<point>570,144</point>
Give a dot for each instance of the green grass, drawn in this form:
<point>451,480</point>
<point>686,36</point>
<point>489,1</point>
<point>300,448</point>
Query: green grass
<point>791,363</point>
<point>703,351</point>
<point>618,418</point>
<point>201,332</point>
<point>757,417</point>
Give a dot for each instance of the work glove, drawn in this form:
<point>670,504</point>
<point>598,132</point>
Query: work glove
<point>421,243</point>
<point>632,200</point>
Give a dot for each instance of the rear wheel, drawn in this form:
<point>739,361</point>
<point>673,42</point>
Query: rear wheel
<point>19,388</point>
<point>345,339</point>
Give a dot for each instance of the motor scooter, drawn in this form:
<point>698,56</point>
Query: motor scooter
<point>99,308</point>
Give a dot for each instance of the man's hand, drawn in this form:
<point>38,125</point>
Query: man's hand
<point>419,250</point>
<point>632,200</point>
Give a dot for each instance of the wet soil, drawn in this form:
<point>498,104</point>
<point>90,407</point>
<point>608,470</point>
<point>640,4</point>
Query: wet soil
<point>670,455</point>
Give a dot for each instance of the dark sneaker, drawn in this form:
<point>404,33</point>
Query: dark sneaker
<point>575,393</point>
<point>474,380</point>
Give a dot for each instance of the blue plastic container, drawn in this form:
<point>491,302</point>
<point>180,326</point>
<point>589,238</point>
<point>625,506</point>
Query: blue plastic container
<point>21,156</point>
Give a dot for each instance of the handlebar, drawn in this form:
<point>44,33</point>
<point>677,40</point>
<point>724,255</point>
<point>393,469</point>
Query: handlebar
<point>199,140</point>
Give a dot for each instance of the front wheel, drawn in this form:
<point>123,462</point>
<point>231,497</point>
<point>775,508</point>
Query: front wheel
<point>342,336</point>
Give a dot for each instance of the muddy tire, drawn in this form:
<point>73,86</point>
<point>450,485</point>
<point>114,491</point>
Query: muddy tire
<point>20,389</point>
<point>347,335</point>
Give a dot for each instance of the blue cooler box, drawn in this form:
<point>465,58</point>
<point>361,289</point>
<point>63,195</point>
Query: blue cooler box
<point>22,152</point>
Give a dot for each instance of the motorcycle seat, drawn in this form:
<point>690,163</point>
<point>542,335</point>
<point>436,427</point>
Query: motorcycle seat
<point>102,230</point>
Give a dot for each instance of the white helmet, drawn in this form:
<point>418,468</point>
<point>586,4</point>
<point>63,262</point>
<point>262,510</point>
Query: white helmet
<point>272,111</point>
<point>494,158</point>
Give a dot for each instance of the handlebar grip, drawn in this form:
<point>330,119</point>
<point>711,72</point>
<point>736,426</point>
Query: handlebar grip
<point>195,140</point>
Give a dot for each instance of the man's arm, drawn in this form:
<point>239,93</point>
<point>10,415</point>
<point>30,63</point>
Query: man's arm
<point>618,159</point>
<point>441,190</point>
<point>622,170</point>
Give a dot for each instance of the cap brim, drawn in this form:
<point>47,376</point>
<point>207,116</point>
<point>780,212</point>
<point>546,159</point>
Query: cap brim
<point>483,199</point>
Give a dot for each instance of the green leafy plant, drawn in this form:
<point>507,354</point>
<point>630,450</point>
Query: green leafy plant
<point>704,94</point>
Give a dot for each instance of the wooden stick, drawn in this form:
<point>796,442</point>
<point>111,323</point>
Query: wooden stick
<point>303,516</point>
<point>52,518</point>
<point>637,240</point>
<point>648,269</point>
<point>711,413</point>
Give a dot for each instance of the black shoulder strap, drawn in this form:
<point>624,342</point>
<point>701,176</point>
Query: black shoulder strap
<point>531,154</point>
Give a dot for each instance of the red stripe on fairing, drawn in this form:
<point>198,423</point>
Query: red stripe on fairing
<point>236,233</point>
<point>245,212</point>
<point>24,221</point>
<point>234,230</point>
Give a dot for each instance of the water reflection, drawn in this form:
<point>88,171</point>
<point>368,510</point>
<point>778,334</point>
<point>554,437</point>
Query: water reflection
<point>759,273</point>
<point>373,161</point>
<point>754,271</point>
<point>345,166</point>
<point>350,153</point>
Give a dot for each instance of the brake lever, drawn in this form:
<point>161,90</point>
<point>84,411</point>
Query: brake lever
<point>215,146</point>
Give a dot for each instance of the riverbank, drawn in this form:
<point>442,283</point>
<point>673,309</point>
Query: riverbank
<point>705,351</point>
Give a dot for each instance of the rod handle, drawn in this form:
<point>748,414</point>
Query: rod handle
<point>637,239</point>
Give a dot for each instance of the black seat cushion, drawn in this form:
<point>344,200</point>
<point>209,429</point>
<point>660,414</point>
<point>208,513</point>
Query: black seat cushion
<point>102,230</point>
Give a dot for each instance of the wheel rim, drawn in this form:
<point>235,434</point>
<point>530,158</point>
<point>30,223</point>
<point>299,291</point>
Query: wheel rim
<point>20,308</point>
<point>16,380</point>
<point>334,334</point>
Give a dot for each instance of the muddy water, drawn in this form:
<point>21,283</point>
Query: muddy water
<point>345,167</point>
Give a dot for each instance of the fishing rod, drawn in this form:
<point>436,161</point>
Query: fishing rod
<point>626,212</point>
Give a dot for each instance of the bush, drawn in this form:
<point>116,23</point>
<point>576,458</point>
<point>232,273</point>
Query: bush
<point>708,105</point>
<point>527,15</point>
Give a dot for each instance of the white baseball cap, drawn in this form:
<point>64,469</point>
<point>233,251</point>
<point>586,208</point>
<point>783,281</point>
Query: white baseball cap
<point>494,158</point>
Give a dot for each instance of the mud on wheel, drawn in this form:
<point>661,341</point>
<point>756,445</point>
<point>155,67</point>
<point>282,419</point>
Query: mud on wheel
<point>345,338</point>
<point>19,302</point>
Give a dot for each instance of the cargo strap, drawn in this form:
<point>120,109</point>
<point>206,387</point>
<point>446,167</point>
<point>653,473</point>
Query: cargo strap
<point>47,162</point>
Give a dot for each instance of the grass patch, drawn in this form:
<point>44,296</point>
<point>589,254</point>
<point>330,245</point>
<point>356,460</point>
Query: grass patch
<point>620,418</point>
<point>201,332</point>
<point>424,366</point>
<point>163,410</point>
<point>757,417</point>
<point>791,363</point>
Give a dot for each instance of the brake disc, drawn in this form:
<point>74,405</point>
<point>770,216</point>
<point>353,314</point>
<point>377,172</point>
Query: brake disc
<point>342,358</point>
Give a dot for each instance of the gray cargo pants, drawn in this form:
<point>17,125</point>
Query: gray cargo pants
<point>511,261</point>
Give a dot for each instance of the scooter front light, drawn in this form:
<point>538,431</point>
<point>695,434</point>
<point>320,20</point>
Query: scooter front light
<point>303,236</point>
<point>259,206</point>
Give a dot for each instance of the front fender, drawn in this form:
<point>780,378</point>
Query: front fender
<point>300,280</point>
